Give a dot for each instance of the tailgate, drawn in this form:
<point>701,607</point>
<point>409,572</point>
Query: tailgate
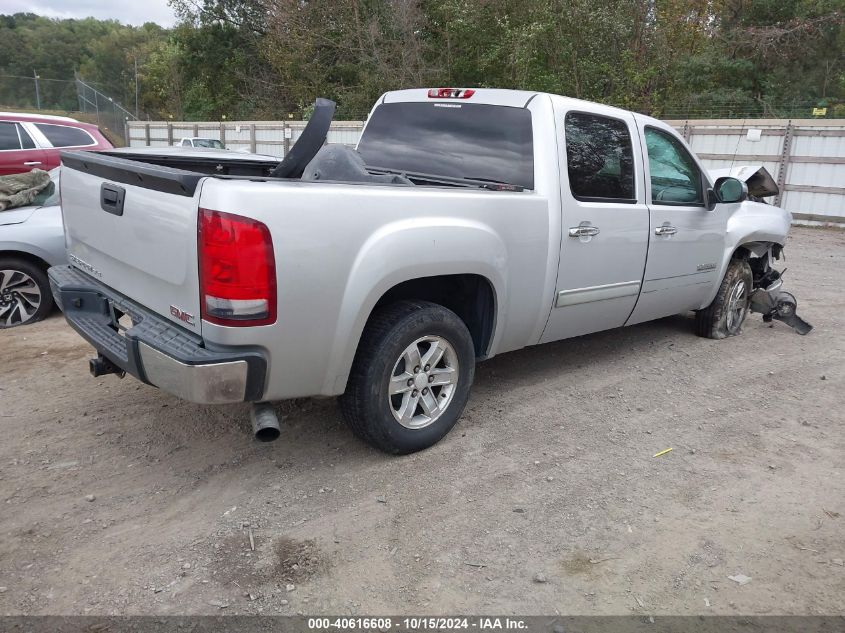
<point>133,226</point>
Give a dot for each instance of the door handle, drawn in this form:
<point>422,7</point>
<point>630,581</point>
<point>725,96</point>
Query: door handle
<point>666,229</point>
<point>583,231</point>
<point>30,163</point>
<point>112,198</point>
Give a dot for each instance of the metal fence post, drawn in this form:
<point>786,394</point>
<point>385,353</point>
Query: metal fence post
<point>37,91</point>
<point>784,162</point>
<point>223,133</point>
<point>252,137</point>
<point>169,134</point>
<point>147,133</point>
<point>285,129</point>
<point>126,136</point>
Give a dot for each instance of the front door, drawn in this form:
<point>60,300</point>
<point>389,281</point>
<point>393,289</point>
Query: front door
<point>686,239</point>
<point>605,222</point>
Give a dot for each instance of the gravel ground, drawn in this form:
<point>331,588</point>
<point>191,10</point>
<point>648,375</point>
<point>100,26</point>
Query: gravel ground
<point>546,498</point>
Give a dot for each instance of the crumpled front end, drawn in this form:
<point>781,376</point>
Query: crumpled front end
<point>768,296</point>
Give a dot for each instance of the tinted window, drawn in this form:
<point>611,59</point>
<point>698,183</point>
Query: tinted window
<point>675,178</point>
<point>63,136</point>
<point>9,136</point>
<point>26,139</point>
<point>461,140</point>
<point>599,157</point>
<point>208,142</point>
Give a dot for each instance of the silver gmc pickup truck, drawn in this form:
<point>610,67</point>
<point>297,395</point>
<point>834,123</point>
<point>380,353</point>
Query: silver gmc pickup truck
<point>465,224</point>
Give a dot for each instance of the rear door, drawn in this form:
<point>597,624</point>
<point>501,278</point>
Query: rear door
<point>133,226</point>
<point>686,239</point>
<point>18,153</point>
<point>605,222</point>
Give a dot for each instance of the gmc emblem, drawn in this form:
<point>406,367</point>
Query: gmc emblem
<point>185,317</point>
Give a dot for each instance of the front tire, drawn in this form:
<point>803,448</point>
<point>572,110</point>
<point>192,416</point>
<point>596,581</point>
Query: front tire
<point>411,377</point>
<point>725,315</point>
<point>25,295</point>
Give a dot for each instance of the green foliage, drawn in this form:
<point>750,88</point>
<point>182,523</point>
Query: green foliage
<point>270,58</point>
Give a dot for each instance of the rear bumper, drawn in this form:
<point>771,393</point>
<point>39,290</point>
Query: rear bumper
<point>153,349</point>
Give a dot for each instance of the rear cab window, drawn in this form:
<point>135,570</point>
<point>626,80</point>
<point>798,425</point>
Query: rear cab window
<point>459,140</point>
<point>65,136</point>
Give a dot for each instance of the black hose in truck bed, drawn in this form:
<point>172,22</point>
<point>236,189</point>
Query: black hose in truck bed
<point>308,143</point>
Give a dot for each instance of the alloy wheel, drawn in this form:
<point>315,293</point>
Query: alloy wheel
<point>423,381</point>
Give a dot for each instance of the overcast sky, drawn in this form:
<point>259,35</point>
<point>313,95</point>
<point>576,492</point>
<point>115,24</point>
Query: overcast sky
<point>126,11</point>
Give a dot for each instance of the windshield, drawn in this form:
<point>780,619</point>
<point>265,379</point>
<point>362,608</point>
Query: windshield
<point>481,142</point>
<point>208,142</point>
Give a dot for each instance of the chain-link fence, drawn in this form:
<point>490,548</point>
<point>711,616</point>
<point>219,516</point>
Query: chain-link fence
<point>74,97</point>
<point>61,96</point>
<point>109,115</point>
<point>793,109</point>
<point>37,93</point>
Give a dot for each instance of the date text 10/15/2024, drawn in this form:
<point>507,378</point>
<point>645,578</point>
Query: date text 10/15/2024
<point>416,623</point>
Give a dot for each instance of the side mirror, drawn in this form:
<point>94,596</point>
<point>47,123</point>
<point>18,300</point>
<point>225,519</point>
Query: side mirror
<point>730,189</point>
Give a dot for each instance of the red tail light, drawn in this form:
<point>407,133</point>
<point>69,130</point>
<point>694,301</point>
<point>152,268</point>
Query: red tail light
<point>450,93</point>
<point>237,270</point>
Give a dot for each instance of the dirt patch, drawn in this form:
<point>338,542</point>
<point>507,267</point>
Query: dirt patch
<point>264,561</point>
<point>297,561</point>
<point>580,563</point>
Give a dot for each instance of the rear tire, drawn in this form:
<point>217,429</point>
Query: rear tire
<point>25,295</point>
<point>725,315</point>
<point>411,377</point>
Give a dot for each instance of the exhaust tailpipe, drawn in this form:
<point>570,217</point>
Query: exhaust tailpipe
<point>265,422</point>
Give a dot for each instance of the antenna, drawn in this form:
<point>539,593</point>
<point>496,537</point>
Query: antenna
<point>738,141</point>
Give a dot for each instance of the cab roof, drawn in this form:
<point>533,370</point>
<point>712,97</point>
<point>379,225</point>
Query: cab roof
<point>30,116</point>
<point>504,97</point>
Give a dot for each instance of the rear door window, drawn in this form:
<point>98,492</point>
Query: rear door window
<point>460,140</point>
<point>9,136</point>
<point>599,158</point>
<point>64,136</point>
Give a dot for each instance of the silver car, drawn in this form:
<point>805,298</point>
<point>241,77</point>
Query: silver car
<point>31,240</point>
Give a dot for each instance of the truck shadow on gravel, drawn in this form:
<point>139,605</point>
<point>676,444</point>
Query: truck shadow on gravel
<point>311,421</point>
<point>313,428</point>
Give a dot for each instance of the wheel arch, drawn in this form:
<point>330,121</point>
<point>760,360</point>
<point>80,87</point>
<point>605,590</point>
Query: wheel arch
<point>751,247</point>
<point>400,260</point>
<point>476,303</point>
<point>26,256</point>
<point>471,296</point>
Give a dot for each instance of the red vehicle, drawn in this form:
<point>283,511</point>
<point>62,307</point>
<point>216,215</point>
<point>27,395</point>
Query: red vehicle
<point>30,141</point>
